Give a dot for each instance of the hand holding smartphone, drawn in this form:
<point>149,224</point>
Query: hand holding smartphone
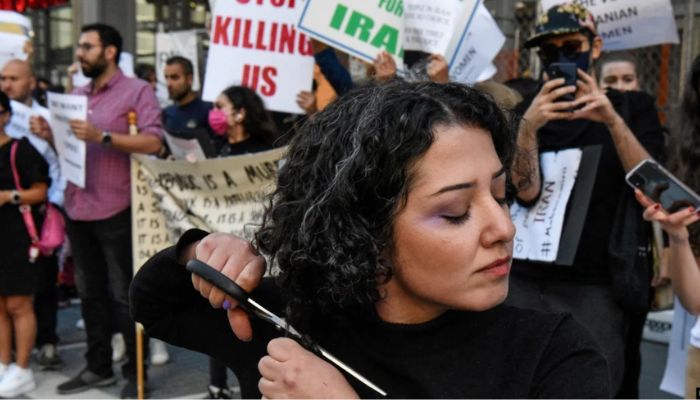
<point>662,187</point>
<point>566,71</point>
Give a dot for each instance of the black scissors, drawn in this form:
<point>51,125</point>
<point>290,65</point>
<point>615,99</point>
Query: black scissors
<point>250,306</point>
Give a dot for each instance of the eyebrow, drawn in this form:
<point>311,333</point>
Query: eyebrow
<point>468,185</point>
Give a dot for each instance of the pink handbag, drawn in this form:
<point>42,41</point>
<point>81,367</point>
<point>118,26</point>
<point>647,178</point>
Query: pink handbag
<point>53,232</point>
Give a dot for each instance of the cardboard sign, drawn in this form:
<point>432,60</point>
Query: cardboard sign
<point>15,29</point>
<point>218,195</point>
<point>629,24</point>
<point>179,43</point>
<point>538,228</point>
<point>362,28</point>
<point>257,44</point>
<point>71,150</point>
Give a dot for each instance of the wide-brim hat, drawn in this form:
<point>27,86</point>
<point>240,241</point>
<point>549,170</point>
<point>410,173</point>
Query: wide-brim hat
<point>560,20</point>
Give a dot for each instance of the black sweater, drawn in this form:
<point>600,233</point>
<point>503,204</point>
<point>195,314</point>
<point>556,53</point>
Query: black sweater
<point>505,352</point>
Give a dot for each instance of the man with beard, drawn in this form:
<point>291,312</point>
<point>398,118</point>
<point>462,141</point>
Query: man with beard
<point>18,81</point>
<point>610,272</point>
<point>189,111</point>
<point>99,223</point>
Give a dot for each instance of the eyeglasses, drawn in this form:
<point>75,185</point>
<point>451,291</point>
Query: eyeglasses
<point>86,47</point>
<point>550,53</point>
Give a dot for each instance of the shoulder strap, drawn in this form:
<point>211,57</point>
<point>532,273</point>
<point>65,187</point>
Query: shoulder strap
<point>25,209</point>
<point>13,163</point>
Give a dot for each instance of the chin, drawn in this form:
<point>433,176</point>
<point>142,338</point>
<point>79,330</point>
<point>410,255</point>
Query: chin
<point>485,298</point>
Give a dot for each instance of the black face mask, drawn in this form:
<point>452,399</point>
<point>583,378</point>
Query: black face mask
<point>568,52</point>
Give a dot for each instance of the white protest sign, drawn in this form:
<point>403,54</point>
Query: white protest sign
<point>218,195</point>
<point>629,24</point>
<point>483,41</point>
<point>361,28</point>
<point>674,373</point>
<point>256,44</point>
<point>179,43</point>
<point>71,150</point>
<point>126,64</point>
<point>184,149</point>
<point>18,127</point>
<point>538,228</point>
<point>15,29</point>
<point>429,26</point>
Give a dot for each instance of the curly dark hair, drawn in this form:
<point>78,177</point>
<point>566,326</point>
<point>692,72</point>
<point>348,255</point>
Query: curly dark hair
<point>684,146</point>
<point>258,121</point>
<point>329,225</point>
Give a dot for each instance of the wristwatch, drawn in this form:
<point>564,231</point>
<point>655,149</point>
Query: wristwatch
<point>106,138</point>
<point>14,197</point>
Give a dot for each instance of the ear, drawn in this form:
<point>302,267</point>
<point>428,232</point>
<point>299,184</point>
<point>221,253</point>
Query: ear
<point>596,47</point>
<point>111,53</point>
<point>240,115</point>
<point>189,79</point>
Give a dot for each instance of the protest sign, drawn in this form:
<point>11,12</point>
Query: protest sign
<point>674,374</point>
<point>361,28</point>
<point>179,43</point>
<point>538,228</point>
<point>429,26</point>
<point>484,39</point>
<point>71,150</point>
<point>18,127</point>
<point>256,44</point>
<point>218,195</point>
<point>629,24</point>
<point>15,29</point>
<point>184,149</point>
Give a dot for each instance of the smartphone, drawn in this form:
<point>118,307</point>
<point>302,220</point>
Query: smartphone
<point>662,187</point>
<point>568,72</point>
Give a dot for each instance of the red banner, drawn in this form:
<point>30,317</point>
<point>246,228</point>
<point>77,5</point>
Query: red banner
<point>23,5</point>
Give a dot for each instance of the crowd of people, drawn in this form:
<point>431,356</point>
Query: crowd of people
<point>389,237</point>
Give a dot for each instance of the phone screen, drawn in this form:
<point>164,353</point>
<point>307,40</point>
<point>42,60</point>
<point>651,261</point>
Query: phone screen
<point>660,186</point>
<point>563,70</point>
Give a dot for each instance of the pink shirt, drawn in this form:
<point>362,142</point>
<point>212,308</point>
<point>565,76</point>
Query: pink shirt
<point>107,176</point>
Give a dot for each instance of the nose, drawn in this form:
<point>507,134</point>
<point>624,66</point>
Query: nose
<point>499,227</point>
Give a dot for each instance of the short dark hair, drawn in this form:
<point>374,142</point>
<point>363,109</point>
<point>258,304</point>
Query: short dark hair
<point>258,120</point>
<point>183,62</point>
<point>347,174</point>
<point>142,70</point>
<point>5,102</point>
<point>109,36</point>
<point>615,56</point>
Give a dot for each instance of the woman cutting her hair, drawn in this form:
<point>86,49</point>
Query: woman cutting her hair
<point>390,236</point>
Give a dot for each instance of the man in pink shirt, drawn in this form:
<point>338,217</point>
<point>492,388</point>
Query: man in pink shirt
<point>99,225</point>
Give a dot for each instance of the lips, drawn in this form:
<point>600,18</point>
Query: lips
<point>499,267</point>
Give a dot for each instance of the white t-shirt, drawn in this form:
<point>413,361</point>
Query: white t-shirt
<point>695,334</point>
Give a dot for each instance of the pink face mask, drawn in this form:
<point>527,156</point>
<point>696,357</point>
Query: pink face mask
<point>218,121</point>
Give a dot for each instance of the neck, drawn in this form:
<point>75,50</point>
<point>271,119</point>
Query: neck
<point>397,308</point>
<point>237,134</point>
<point>186,99</point>
<point>101,81</point>
<point>27,101</point>
<point>3,137</point>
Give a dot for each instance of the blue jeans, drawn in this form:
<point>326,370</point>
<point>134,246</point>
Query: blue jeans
<point>103,272</point>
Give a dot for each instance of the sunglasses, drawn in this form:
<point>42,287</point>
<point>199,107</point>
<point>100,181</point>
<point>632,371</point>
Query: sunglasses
<point>549,53</point>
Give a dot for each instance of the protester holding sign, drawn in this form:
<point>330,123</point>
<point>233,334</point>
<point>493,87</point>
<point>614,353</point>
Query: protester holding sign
<point>99,225</point>
<point>23,182</point>
<point>17,81</point>
<point>608,274</point>
<point>355,222</point>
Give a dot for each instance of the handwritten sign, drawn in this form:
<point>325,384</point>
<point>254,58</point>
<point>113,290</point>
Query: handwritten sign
<point>257,44</point>
<point>218,195</point>
<point>629,24</point>
<point>538,228</point>
<point>71,150</point>
<point>15,29</point>
<point>361,28</point>
<point>673,380</point>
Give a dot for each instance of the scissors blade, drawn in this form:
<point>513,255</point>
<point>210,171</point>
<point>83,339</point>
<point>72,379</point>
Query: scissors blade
<point>331,358</point>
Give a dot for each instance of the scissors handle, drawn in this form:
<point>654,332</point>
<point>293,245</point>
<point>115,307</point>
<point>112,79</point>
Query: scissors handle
<point>219,280</point>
